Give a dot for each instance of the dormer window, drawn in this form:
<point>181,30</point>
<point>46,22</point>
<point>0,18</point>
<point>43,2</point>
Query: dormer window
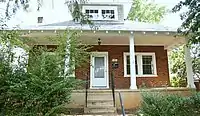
<point>92,14</point>
<point>108,14</point>
<point>40,20</point>
<point>101,12</point>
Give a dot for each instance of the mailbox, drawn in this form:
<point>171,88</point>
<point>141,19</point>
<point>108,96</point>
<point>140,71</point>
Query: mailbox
<point>115,63</point>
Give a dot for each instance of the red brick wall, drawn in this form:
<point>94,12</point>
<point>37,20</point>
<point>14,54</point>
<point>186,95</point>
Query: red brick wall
<point>116,52</point>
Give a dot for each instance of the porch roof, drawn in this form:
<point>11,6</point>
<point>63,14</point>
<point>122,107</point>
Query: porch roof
<point>103,26</point>
<point>146,34</point>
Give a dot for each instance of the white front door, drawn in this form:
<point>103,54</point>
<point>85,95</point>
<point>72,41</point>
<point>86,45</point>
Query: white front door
<point>99,70</point>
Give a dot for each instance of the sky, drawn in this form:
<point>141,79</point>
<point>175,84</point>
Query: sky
<point>172,19</point>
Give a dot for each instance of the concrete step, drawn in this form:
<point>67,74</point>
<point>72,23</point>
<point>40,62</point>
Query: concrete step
<point>99,110</point>
<point>101,107</point>
<point>100,103</point>
<point>100,96</point>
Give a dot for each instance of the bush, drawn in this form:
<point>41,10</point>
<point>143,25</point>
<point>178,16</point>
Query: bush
<point>178,82</point>
<point>157,104</point>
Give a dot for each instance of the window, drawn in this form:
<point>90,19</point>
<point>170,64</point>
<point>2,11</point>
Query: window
<point>108,14</point>
<point>101,12</point>
<point>92,14</point>
<point>145,64</point>
<point>40,20</point>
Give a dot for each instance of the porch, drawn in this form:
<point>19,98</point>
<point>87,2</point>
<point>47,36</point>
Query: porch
<point>115,46</point>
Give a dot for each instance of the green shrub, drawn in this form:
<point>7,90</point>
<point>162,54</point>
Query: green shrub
<point>178,82</point>
<point>157,104</point>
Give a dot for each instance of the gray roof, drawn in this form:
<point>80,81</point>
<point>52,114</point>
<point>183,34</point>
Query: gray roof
<point>103,25</point>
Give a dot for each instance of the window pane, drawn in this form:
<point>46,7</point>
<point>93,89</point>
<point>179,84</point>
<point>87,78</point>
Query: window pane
<point>107,11</point>
<point>90,16</point>
<point>103,11</point>
<point>147,69</point>
<point>99,67</point>
<point>128,69</point>
<point>91,11</point>
<point>96,11</point>
<point>40,19</point>
<point>136,65</point>
<point>86,11</point>
<point>147,64</point>
<point>112,12</point>
<point>147,59</point>
<point>128,60</point>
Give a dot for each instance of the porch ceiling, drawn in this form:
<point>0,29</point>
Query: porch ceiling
<point>169,40</point>
<point>140,39</point>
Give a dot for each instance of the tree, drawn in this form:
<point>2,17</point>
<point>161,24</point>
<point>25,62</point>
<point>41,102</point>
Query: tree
<point>145,11</point>
<point>44,88</point>
<point>178,66</point>
<point>190,30</point>
<point>191,22</point>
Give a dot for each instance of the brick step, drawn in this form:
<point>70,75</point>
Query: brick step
<point>99,110</point>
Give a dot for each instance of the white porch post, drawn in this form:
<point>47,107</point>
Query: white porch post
<point>188,62</point>
<point>132,62</point>
<point>67,57</point>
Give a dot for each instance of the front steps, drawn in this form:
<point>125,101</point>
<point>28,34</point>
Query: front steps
<point>100,103</point>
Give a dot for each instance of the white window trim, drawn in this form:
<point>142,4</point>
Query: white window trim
<point>139,62</point>
<point>100,8</point>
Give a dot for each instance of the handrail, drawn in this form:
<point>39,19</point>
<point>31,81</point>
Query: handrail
<point>86,90</point>
<point>113,87</point>
<point>122,105</point>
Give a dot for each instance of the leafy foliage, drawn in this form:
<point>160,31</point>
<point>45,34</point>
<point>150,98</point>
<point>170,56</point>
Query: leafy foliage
<point>77,14</point>
<point>40,87</point>
<point>178,66</point>
<point>158,104</point>
<point>191,22</point>
<point>145,11</point>
<point>177,81</point>
<point>13,5</point>
<point>177,62</point>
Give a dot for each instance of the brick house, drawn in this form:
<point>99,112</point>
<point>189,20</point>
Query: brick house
<point>139,49</point>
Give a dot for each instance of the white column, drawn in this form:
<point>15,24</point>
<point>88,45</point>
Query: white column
<point>67,57</point>
<point>132,62</point>
<point>188,61</point>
